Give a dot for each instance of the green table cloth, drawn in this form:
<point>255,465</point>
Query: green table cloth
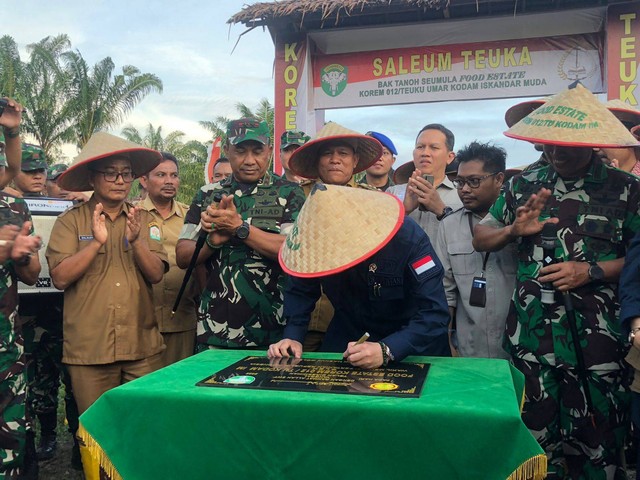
<point>465,425</point>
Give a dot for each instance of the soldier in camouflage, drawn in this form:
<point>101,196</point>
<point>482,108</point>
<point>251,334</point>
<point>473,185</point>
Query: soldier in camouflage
<point>41,318</point>
<point>290,141</point>
<point>32,178</point>
<point>18,262</point>
<point>246,217</point>
<point>595,208</point>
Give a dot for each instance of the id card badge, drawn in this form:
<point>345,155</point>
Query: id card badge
<point>478,297</point>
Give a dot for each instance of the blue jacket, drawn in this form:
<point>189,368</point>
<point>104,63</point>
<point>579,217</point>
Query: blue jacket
<point>629,289</point>
<point>396,295</point>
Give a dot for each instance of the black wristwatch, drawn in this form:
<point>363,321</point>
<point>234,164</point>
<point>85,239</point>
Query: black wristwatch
<point>596,274</point>
<point>242,232</point>
<point>445,212</point>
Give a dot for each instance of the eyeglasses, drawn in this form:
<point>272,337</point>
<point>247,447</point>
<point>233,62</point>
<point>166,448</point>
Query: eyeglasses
<point>127,177</point>
<point>474,182</point>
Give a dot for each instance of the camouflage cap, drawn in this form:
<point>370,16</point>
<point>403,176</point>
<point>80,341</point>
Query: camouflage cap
<point>55,171</point>
<point>3,158</point>
<point>248,129</point>
<point>292,137</point>
<point>32,158</point>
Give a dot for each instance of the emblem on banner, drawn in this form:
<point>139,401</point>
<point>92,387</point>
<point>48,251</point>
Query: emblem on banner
<point>334,79</point>
<point>578,64</point>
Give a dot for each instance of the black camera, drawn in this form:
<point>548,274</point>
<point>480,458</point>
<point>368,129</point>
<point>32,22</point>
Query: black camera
<point>3,104</point>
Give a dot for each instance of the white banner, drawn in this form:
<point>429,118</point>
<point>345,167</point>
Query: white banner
<point>501,69</point>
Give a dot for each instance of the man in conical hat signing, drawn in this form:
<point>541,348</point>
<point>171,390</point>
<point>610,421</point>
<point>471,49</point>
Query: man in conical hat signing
<point>376,266</point>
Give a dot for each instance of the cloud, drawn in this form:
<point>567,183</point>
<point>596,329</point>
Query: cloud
<point>481,120</point>
<point>189,46</point>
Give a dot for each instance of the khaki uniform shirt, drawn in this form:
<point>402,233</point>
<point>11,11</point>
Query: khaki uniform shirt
<point>479,330</point>
<point>166,292</point>
<point>428,220</point>
<point>108,312</point>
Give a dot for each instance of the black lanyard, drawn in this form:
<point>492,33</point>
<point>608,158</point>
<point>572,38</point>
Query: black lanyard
<point>486,255</point>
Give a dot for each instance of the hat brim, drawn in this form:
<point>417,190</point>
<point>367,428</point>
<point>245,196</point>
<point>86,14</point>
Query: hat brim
<point>403,173</point>
<point>287,145</point>
<point>626,116</point>
<point>516,113</point>
<point>77,177</point>
<point>304,161</point>
<point>561,143</point>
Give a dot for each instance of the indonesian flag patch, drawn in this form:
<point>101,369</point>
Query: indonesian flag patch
<point>423,265</point>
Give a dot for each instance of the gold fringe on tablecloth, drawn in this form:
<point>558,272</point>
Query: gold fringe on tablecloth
<point>533,469</point>
<point>98,454</point>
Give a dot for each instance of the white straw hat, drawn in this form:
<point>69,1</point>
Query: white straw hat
<point>323,242</point>
<point>575,118</point>
<point>304,161</point>
<point>103,145</point>
<point>624,112</point>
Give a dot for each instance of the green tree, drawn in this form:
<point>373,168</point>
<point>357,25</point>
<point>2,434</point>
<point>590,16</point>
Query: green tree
<point>67,100</point>
<point>264,111</point>
<point>43,89</point>
<point>191,156</point>
<point>218,126</point>
<point>10,67</point>
<point>101,99</point>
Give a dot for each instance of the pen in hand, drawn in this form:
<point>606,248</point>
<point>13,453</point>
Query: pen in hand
<point>361,340</point>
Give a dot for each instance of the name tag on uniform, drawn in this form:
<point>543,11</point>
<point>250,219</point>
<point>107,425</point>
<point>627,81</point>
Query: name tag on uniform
<point>85,238</point>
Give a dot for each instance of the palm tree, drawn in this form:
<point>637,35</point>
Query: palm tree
<point>191,156</point>
<point>187,152</point>
<point>10,66</point>
<point>66,99</point>
<point>218,127</point>
<point>44,89</point>
<point>265,112</point>
<point>102,99</point>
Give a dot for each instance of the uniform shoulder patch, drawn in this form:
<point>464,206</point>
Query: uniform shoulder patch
<point>425,266</point>
<point>154,232</point>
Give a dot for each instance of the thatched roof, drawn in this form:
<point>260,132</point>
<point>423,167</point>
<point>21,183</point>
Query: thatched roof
<point>327,11</point>
<point>308,15</point>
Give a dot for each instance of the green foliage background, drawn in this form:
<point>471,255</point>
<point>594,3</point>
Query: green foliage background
<point>68,100</point>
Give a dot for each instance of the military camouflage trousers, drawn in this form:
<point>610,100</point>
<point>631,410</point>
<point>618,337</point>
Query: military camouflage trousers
<point>13,423</point>
<point>43,349</point>
<point>556,413</point>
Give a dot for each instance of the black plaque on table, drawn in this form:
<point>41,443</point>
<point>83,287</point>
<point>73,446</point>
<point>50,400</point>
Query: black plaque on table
<point>322,376</point>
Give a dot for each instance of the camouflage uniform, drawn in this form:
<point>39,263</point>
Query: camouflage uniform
<point>14,426</point>
<point>41,318</point>
<point>363,181</point>
<point>241,305</point>
<point>598,216</point>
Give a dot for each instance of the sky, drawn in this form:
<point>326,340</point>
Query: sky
<point>190,47</point>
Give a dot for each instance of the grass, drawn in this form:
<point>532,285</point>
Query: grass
<point>59,467</point>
